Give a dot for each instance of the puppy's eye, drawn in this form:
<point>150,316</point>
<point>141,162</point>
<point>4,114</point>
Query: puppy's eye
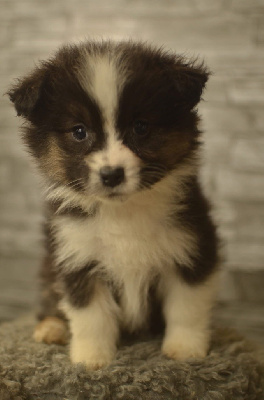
<point>141,127</point>
<point>79,133</point>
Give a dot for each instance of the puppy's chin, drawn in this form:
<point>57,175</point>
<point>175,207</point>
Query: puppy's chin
<point>116,196</point>
<point>120,193</point>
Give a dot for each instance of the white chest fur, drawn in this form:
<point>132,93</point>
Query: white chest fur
<point>132,244</point>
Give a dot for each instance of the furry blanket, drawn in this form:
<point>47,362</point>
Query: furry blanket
<point>32,371</point>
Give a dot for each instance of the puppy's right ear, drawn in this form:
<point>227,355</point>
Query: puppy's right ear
<point>27,92</point>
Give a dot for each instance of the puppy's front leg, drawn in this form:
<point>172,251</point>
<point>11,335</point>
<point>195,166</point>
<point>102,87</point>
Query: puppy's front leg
<point>94,328</point>
<point>187,316</point>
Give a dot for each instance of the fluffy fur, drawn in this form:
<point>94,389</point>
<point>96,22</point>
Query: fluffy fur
<point>113,127</point>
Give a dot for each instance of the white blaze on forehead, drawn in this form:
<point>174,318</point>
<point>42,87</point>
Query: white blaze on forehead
<point>103,81</point>
<point>103,77</point>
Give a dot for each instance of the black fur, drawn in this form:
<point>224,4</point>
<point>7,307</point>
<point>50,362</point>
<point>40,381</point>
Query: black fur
<point>79,285</point>
<point>196,218</point>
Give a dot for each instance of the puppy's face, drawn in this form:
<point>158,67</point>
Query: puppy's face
<point>108,120</point>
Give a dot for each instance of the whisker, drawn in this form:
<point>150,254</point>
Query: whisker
<point>152,169</point>
<point>155,167</point>
<point>73,183</point>
<point>49,188</point>
<point>152,176</point>
<point>57,187</point>
<point>153,173</point>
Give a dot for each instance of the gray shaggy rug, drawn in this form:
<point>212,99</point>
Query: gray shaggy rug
<point>33,371</point>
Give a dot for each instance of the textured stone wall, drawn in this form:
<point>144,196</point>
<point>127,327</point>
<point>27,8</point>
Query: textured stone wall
<point>228,34</point>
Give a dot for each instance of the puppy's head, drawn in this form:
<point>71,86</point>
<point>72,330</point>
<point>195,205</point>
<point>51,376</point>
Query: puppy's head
<point>110,119</point>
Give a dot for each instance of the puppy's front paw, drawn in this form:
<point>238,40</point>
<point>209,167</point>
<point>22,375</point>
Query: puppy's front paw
<point>184,345</point>
<point>91,354</point>
<point>51,330</point>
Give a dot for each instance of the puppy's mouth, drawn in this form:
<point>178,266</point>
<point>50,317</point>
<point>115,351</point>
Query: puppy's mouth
<point>117,195</point>
<point>114,195</point>
<point>120,198</point>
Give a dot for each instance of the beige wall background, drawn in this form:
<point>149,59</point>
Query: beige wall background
<point>229,35</point>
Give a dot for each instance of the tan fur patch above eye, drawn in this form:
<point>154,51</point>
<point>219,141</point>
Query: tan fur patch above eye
<point>51,330</point>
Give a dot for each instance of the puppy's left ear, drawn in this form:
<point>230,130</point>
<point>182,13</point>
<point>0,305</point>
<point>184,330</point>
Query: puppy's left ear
<point>189,80</point>
<point>27,92</point>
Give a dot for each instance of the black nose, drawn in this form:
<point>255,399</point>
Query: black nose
<point>112,176</point>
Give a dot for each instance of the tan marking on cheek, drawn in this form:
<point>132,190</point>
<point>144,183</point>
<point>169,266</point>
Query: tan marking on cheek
<point>51,162</point>
<point>51,330</point>
<point>173,147</point>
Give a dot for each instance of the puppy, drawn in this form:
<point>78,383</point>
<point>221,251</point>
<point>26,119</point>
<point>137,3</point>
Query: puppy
<point>113,128</point>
